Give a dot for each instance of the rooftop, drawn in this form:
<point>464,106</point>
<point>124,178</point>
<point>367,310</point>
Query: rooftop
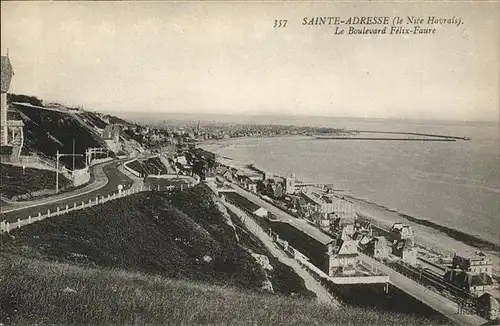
<point>474,256</point>
<point>470,279</point>
<point>489,301</point>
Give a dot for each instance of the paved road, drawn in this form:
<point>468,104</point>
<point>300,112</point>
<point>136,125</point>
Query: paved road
<point>114,176</point>
<point>98,180</point>
<point>311,284</point>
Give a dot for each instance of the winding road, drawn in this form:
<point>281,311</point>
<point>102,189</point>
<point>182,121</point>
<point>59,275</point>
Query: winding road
<point>108,175</point>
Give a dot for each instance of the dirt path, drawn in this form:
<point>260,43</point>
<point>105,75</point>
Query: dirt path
<point>311,284</point>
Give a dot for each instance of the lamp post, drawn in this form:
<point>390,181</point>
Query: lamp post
<point>57,172</point>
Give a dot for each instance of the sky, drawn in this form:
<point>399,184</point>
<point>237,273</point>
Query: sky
<point>226,57</point>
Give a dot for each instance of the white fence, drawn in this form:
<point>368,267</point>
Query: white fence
<point>9,226</point>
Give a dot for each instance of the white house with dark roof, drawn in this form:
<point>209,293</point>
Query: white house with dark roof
<point>477,262</point>
<point>342,255</point>
<point>405,250</point>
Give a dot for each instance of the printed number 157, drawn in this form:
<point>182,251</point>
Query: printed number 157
<point>280,23</point>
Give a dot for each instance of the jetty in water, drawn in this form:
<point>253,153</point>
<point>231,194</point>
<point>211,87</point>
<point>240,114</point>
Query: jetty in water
<point>390,135</point>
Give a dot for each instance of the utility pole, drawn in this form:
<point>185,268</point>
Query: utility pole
<point>57,172</point>
<point>57,166</point>
<point>73,154</point>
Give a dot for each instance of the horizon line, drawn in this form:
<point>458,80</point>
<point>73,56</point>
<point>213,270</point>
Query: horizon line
<point>277,115</point>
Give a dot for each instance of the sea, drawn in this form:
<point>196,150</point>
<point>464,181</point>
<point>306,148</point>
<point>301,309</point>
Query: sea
<point>454,184</point>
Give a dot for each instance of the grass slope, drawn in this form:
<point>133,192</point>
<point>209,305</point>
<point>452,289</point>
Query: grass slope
<point>93,120</point>
<point>33,291</point>
<point>184,236</point>
<point>14,182</point>
<point>47,131</point>
<point>283,278</point>
<point>152,166</point>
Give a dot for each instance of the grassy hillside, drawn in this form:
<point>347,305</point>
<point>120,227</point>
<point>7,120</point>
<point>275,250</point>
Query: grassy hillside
<point>47,131</point>
<point>184,236</point>
<point>150,166</point>
<point>14,182</point>
<point>93,120</point>
<point>34,291</point>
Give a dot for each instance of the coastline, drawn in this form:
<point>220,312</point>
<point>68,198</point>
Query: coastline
<point>430,233</point>
<point>466,238</point>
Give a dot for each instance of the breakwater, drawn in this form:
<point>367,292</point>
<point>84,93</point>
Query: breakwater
<point>384,138</point>
<point>412,134</point>
<point>408,136</point>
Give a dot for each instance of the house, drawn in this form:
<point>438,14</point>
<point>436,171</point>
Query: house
<point>210,178</point>
<point>477,262</point>
<point>111,135</point>
<point>363,227</point>
<point>341,207</point>
<point>290,184</point>
<point>340,211</point>
<point>347,232</point>
<point>182,160</point>
<point>227,174</point>
<point>6,74</point>
<point>252,187</point>
<point>320,220</point>
<point>11,131</point>
<point>405,250</point>
<point>342,255</point>
<point>403,232</point>
<point>474,283</point>
<point>248,183</point>
<point>377,247</point>
<point>219,180</point>
<point>363,241</point>
<point>487,307</point>
<point>240,177</point>
<point>276,190</point>
<point>254,176</point>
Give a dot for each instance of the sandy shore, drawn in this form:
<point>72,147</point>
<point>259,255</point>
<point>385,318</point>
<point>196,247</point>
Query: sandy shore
<point>431,237</point>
